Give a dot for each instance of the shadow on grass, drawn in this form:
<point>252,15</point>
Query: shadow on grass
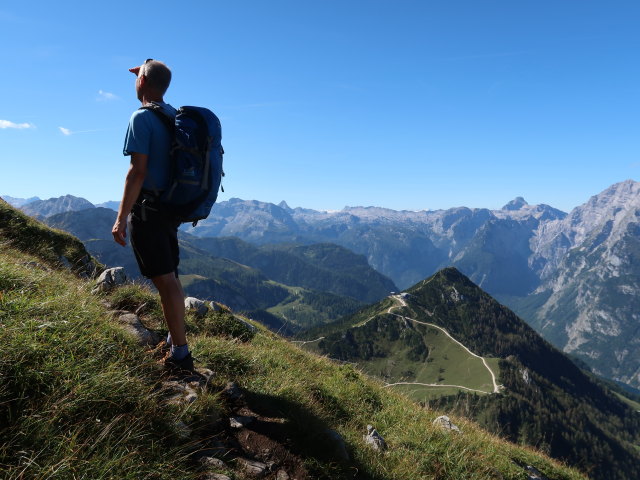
<point>307,440</point>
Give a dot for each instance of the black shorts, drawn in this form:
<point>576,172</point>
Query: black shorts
<point>154,239</point>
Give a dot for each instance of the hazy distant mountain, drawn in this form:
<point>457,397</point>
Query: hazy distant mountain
<point>52,206</point>
<point>18,202</point>
<point>302,284</point>
<point>543,399</point>
<point>113,205</point>
<point>404,245</point>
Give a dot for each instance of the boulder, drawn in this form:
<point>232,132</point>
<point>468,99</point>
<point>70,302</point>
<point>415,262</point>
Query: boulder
<point>132,324</point>
<point>374,439</point>
<point>109,279</point>
<point>445,423</point>
<point>199,307</point>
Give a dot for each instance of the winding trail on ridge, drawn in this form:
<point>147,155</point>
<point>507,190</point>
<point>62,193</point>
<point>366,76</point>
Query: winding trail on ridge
<point>403,304</point>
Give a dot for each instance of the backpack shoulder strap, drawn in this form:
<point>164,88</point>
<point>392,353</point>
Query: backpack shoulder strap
<point>167,120</point>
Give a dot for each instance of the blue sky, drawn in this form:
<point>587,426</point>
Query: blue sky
<point>402,104</point>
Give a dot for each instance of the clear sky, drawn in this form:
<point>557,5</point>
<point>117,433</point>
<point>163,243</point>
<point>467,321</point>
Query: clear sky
<point>401,104</point>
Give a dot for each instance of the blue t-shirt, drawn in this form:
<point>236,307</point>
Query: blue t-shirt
<point>147,134</point>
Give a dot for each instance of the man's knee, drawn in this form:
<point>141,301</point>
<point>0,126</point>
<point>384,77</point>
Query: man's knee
<point>167,282</point>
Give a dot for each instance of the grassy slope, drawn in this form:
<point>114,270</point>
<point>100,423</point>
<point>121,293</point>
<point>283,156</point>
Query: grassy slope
<point>391,359</point>
<point>81,398</point>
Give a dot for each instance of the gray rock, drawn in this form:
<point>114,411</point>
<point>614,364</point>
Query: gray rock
<point>252,467</point>
<point>444,422</point>
<point>282,475</point>
<point>131,323</point>
<point>196,305</point>
<point>212,462</point>
<point>109,279</point>
<point>65,262</point>
<point>374,439</point>
<point>240,421</point>
<point>534,474</point>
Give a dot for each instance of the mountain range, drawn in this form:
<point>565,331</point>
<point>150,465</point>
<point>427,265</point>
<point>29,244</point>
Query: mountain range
<point>573,276</point>
<point>286,286</point>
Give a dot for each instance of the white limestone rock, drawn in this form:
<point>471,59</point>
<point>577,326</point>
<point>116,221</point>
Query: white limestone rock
<point>109,279</point>
<point>445,423</point>
<point>374,439</point>
<point>196,305</point>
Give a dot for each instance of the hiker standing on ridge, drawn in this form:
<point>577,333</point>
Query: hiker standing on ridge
<point>154,234</point>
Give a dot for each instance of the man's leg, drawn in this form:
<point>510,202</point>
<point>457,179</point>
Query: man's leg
<point>172,299</point>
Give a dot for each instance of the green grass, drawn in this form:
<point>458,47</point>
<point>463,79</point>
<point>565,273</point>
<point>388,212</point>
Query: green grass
<point>420,393</point>
<point>448,363</point>
<point>632,403</point>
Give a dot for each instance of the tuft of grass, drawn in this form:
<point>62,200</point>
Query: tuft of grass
<point>221,324</point>
<point>136,298</point>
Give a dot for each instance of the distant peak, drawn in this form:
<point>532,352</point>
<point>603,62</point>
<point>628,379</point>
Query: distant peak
<point>284,205</point>
<point>515,204</point>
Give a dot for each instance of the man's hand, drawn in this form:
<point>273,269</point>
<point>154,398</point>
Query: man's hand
<point>132,186</point>
<point>119,231</point>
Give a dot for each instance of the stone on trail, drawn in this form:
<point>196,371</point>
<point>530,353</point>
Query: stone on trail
<point>252,467</point>
<point>132,324</point>
<point>374,439</point>
<point>109,279</point>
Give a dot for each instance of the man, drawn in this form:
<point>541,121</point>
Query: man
<point>154,235</point>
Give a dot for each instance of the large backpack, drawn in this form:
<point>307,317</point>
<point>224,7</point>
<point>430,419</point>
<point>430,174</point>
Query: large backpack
<point>195,162</point>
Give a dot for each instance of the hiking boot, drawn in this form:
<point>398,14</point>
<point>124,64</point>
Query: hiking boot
<point>185,365</point>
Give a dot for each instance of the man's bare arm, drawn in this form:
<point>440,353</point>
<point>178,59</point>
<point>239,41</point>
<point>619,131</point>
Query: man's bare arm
<point>132,186</point>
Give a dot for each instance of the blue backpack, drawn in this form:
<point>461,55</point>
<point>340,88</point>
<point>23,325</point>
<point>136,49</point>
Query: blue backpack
<point>196,162</point>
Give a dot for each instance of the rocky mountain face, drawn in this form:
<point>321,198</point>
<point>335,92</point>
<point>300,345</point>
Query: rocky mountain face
<point>53,206</point>
<point>588,302</point>
<point>543,399</point>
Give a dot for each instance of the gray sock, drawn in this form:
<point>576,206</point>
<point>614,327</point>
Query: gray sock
<point>179,351</point>
<point>169,343</point>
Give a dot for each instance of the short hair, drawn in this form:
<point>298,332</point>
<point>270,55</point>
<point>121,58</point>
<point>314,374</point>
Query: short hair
<point>158,75</point>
